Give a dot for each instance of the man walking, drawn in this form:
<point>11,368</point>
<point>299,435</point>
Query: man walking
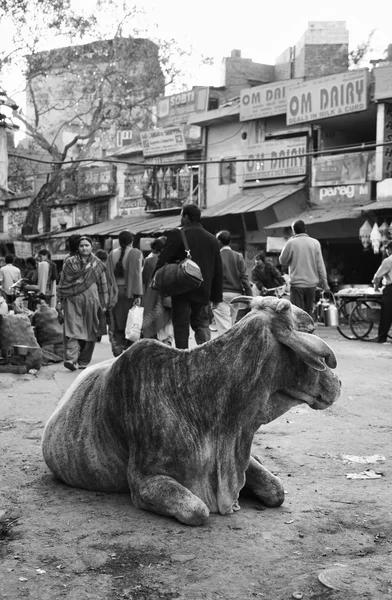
<point>384,272</point>
<point>9,274</point>
<point>235,283</point>
<point>191,308</point>
<point>302,254</point>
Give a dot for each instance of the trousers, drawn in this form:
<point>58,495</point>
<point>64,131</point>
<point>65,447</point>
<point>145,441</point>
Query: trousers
<point>303,298</point>
<point>187,313</point>
<point>78,351</point>
<point>225,313</point>
<point>386,314</point>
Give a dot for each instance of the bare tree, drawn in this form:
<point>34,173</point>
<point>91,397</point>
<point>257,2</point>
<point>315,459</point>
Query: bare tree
<point>358,54</point>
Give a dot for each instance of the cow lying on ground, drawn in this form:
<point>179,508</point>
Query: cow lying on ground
<point>175,427</point>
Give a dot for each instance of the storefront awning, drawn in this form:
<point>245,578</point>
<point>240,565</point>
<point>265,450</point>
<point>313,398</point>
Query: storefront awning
<point>321,215</point>
<point>385,204</point>
<point>252,200</point>
<point>135,225</point>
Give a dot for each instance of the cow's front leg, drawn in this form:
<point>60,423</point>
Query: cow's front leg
<point>265,486</point>
<point>166,496</point>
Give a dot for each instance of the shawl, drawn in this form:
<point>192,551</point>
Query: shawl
<point>133,263</point>
<point>77,276</point>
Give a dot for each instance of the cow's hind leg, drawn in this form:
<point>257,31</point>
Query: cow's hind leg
<point>265,486</point>
<point>166,496</point>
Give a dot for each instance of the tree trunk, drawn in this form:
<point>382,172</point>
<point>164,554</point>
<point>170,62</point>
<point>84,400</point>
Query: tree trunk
<point>30,225</point>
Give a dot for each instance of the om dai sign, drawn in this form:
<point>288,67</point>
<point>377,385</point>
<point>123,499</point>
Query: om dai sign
<point>276,158</point>
<point>330,96</point>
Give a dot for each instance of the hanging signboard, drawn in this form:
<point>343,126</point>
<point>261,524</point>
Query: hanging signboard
<point>387,150</point>
<point>382,82</point>
<point>276,158</point>
<point>264,100</point>
<point>326,97</point>
<point>341,168</point>
<point>22,249</point>
<point>175,109</point>
<point>340,194</point>
<point>163,141</point>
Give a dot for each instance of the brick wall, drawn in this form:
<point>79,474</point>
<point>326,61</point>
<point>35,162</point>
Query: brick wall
<point>240,73</point>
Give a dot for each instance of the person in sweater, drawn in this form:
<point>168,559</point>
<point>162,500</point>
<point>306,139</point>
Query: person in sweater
<point>124,267</point>
<point>190,309</point>
<point>235,283</point>
<point>302,254</point>
<point>384,275</point>
<point>9,274</point>
<point>265,275</point>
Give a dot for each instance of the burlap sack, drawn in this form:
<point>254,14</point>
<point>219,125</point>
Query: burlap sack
<point>17,330</point>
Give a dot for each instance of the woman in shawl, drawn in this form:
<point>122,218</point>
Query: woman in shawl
<point>84,294</point>
<point>124,266</point>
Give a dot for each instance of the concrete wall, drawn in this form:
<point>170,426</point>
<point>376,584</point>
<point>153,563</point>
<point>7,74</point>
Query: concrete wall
<point>224,141</point>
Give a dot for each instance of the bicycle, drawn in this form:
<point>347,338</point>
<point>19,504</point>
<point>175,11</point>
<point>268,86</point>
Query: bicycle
<point>364,310</point>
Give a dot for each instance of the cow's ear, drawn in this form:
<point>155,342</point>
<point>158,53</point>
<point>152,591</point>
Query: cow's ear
<point>241,300</point>
<point>310,348</point>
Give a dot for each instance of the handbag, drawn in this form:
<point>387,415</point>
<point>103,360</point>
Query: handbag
<point>133,328</point>
<point>178,278</point>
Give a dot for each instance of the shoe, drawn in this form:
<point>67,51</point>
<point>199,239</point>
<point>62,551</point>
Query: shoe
<point>70,365</point>
<point>82,366</point>
<point>213,327</point>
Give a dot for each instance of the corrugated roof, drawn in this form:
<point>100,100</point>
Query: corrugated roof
<point>321,215</point>
<point>132,224</point>
<point>379,205</point>
<point>252,200</point>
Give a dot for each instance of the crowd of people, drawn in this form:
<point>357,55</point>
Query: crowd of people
<point>95,289</point>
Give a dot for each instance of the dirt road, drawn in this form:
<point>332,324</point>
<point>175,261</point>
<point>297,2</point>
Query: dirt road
<point>60,542</point>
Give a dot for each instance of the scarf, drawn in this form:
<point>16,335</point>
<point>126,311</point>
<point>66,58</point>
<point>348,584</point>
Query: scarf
<point>77,276</point>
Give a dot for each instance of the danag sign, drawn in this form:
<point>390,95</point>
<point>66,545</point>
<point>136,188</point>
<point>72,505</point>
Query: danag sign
<point>264,100</point>
<point>340,194</point>
<point>276,158</point>
<point>330,96</point>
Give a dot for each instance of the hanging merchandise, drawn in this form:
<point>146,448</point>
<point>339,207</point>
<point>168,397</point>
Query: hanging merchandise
<point>375,239</point>
<point>160,177</point>
<point>146,180</point>
<point>168,178</point>
<point>390,231</point>
<point>364,234</point>
<point>383,229</point>
<point>185,175</point>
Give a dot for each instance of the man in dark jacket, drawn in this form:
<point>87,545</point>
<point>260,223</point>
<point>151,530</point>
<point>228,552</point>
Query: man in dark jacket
<point>191,308</point>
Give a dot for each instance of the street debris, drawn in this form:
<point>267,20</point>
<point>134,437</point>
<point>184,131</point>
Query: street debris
<point>368,474</point>
<point>335,579</point>
<point>365,460</point>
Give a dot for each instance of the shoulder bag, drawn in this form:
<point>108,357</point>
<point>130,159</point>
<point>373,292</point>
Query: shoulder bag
<point>178,278</point>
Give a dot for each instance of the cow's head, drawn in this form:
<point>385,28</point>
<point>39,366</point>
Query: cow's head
<point>304,372</point>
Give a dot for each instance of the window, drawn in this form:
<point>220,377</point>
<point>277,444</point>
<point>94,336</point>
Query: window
<point>101,211</point>
<point>124,137</point>
<point>227,171</point>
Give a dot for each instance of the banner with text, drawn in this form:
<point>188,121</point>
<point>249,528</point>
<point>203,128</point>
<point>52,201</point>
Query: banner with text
<point>163,141</point>
<point>341,168</point>
<point>329,96</point>
<point>264,100</point>
<point>387,150</point>
<point>340,194</point>
<point>175,109</point>
<point>275,158</point>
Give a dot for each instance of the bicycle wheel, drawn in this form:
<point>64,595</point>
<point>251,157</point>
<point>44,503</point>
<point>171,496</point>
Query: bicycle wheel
<point>344,310</point>
<point>365,318</point>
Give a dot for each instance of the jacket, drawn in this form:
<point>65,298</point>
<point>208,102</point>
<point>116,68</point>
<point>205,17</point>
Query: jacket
<point>235,276</point>
<point>205,252</point>
<point>302,254</point>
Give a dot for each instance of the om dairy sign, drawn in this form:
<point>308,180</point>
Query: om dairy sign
<point>264,100</point>
<point>326,97</point>
<point>276,158</point>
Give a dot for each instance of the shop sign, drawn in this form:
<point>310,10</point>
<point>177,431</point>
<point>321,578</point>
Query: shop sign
<point>383,82</point>
<point>387,150</point>
<point>340,194</point>
<point>97,181</point>
<point>264,100</point>
<point>175,109</point>
<point>177,157</point>
<point>163,141</point>
<point>276,158</point>
<point>22,249</point>
<point>341,168</point>
<point>330,96</point>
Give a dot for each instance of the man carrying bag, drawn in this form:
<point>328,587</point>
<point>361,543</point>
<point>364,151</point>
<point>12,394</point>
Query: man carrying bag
<point>190,308</point>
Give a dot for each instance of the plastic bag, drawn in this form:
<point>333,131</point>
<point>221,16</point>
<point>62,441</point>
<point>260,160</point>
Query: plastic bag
<point>133,327</point>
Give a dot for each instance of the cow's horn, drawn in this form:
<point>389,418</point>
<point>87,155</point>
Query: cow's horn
<point>242,300</point>
<point>312,349</point>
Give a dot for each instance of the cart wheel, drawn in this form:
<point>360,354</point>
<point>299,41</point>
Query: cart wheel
<point>344,328</point>
<point>365,318</point>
